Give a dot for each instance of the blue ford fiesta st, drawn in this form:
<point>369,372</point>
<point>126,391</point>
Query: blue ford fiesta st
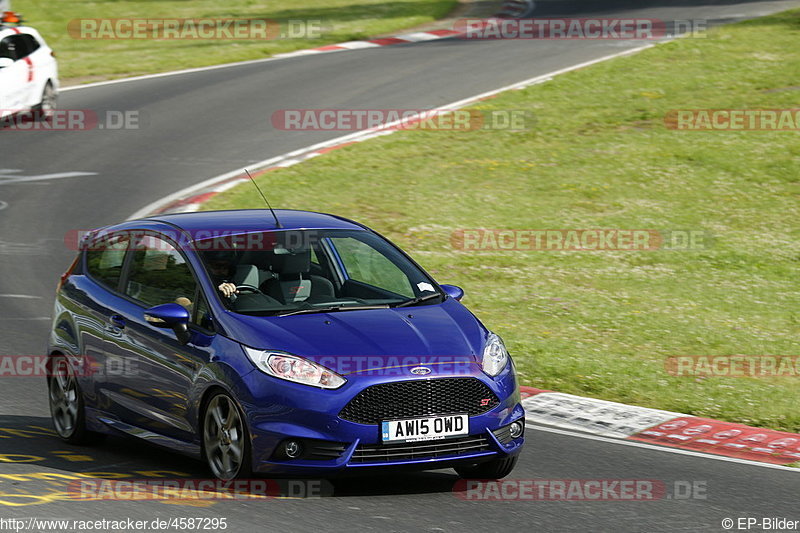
<point>284,342</point>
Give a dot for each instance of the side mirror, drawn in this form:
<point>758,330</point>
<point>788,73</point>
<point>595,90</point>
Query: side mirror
<point>6,62</point>
<point>453,292</point>
<point>172,316</point>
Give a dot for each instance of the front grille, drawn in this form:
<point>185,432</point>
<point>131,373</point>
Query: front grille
<point>385,453</point>
<point>407,399</point>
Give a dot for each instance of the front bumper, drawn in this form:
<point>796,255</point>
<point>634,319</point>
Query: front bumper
<point>278,411</point>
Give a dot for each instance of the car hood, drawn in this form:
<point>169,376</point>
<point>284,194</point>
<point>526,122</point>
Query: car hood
<point>375,337</point>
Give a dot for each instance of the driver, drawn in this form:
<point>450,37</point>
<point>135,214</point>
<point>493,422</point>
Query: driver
<point>220,266</point>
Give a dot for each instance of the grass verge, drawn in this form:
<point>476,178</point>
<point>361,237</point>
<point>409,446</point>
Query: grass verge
<point>601,324</point>
<point>83,60</point>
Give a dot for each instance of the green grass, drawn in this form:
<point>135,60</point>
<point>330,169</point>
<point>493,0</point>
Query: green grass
<point>89,60</point>
<point>601,324</point>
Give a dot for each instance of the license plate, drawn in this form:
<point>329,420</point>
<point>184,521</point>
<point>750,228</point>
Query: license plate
<point>427,428</point>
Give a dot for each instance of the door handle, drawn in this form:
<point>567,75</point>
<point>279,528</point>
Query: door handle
<point>117,321</point>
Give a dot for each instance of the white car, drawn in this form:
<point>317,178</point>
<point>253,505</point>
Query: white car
<point>28,70</point>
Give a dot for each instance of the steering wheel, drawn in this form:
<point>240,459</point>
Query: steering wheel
<point>248,288</point>
<point>244,288</point>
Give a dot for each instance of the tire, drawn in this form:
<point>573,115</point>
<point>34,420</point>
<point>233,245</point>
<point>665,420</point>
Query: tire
<point>66,404</point>
<point>226,441</point>
<point>494,469</point>
<point>45,108</point>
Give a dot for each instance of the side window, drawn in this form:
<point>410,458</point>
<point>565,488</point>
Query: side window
<point>159,275</point>
<point>20,46</point>
<point>8,48</point>
<point>367,265</point>
<point>104,260</point>
<point>31,44</point>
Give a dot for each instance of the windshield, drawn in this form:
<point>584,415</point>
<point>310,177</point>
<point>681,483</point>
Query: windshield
<point>308,271</point>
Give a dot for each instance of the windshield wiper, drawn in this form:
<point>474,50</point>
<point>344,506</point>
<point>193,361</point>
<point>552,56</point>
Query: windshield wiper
<point>419,300</point>
<point>333,309</point>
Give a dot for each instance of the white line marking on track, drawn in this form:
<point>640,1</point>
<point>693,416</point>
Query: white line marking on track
<point>678,451</point>
<point>22,296</point>
<point>16,178</point>
<point>184,193</point>
<point>167,74</point>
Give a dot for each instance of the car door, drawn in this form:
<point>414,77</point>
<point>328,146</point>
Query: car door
<point>157,370</point>
<point>38,60</point>
<point>13,78</point>
<point>97,323</point>
<point>22,71</point>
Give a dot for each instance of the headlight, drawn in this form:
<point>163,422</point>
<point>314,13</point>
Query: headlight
<point>495,356</point>
<point>293,368</point>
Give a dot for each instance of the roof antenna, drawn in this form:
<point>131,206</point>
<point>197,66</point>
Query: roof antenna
<point>277,222</point>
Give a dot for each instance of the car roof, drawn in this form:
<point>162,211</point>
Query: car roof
<point>6,31</point>
<point>251,220</point>
<point>10,30</point>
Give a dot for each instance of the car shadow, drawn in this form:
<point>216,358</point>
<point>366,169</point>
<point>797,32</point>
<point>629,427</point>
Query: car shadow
<point>41,459</point>
<point>32,441</point>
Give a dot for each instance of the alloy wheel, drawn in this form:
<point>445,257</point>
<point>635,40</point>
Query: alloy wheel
<point>224,437</point>
<point>64,398</point>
